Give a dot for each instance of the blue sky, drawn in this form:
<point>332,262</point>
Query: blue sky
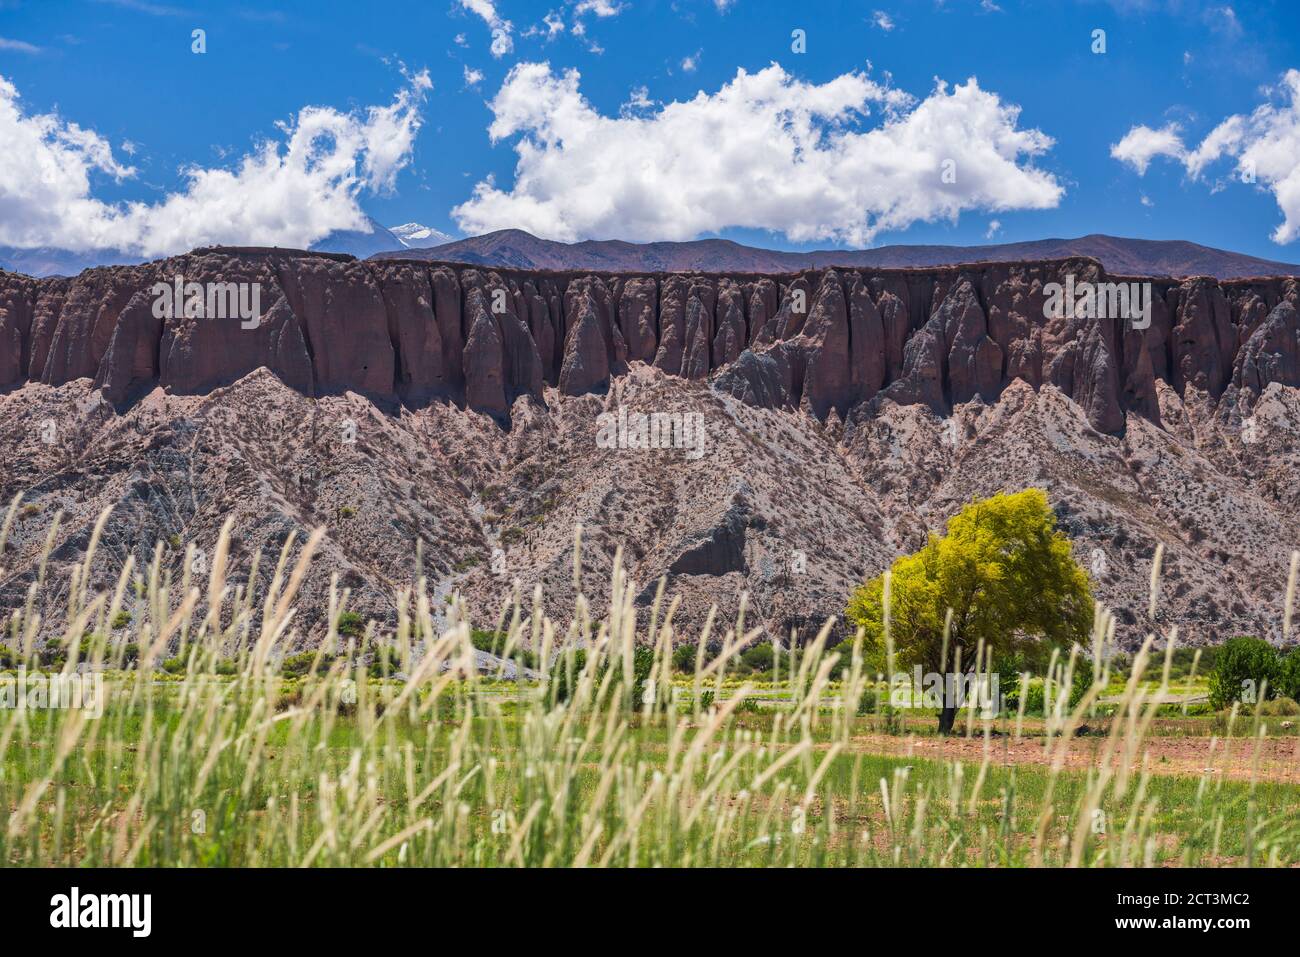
<point>125,70</point>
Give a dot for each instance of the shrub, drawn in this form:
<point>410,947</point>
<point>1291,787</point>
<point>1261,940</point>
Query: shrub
<point>386,661</point>
<point>1288,676</point>
<point>1035,698</point>
<point>1280,707</point>
<point>1180,664</point>
<point>52,654</point>
<point>295,666</point>
<point>684,658</point>
<point>643,665</point>
<point>121,619</point>
<point>867,703</point>
<point>494,643</point>
<point>1241,668</point>
<point>759,657</point>
<point>1081,681</point>
<point>568,666</point>
<point>174,665</point>
<point>351,625</point>
<point>289,697</point>
<point>565,671</point>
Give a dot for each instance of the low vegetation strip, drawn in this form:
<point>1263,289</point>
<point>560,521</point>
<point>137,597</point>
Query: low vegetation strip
<point>409,749</point>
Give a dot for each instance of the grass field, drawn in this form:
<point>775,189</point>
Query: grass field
<point>613,760</point>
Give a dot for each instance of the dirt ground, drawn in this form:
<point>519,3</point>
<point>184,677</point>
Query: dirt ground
<point>1271,759</point>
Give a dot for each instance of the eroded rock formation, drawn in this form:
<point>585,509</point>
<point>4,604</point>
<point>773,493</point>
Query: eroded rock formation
<point>826,341</point>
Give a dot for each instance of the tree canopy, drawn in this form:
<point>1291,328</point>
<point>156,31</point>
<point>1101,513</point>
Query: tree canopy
<point>1007,575</point>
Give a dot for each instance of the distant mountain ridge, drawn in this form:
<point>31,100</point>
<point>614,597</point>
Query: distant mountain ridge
<point>517,249</point>
<point>45,261</point>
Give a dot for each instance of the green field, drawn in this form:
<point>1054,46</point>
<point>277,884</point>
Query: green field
<point>611,759</point>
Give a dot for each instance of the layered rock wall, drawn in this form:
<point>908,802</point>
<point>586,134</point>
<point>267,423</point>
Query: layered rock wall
<point>827,341</point>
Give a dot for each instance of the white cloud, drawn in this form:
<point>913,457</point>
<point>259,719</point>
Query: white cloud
<point>692,62</point>
<point>1265,146</point>
<point>724,5</point>
<point>502,41</point>
<point>552,26</point>
<point>995,227</point>
<point>473,77</point>
<point>638,101</point>
<point>882,21</point>
<point>18,46</point>
<point>1142,144</point>
<point>141,6</point>
<point>766,151</point>
<point>287,192</point>
<point>601,8</point>
<point>1224,20</point>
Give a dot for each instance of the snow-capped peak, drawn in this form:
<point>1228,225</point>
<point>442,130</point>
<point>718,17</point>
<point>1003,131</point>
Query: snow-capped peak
<point>419,236</point>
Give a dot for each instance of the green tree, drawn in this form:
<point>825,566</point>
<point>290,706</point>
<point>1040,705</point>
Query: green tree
<point>1246,669</point>
<point>1288,676</point>
<point>1006,574</point>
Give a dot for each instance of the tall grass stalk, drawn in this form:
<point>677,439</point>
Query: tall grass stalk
<point>221,760</point>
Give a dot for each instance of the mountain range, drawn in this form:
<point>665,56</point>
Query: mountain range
<point>517,249</point>
<point>375,238</point>
<point>1126,257</point>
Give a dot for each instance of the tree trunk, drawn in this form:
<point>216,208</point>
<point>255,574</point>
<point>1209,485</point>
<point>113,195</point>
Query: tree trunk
<point>947,717</point>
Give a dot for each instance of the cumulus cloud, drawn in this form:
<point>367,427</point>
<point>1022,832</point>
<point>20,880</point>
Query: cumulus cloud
<point>1142,144</point>
<point>765,151</point>
<point>473,77</point>
<point>1265,148</point>
<point>995,227</point>
<point>290,191</point>
<point>691,63</point>
<point>501,28</point>
<point>882,21</point>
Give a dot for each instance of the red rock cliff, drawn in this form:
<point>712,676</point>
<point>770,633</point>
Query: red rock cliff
<point>485,337</point>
